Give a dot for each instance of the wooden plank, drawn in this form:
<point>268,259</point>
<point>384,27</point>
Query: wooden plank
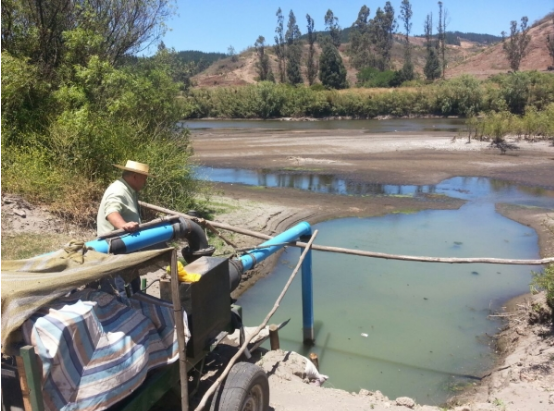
<point>31,379</point>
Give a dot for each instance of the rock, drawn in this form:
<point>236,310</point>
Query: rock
<point>20,213</point>
<point>551,398</point>
<point>405,402</point>
<point>365,392</point>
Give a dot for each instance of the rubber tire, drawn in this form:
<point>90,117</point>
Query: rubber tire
<point>245,389</point>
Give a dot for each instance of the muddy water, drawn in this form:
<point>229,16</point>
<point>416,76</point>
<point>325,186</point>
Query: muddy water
<point>416,329</point>
<point>369,126</point>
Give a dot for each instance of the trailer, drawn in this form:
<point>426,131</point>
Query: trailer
<point>28,287</point>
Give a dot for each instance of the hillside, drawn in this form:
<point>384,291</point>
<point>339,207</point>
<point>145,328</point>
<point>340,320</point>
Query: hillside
<point>478,59</point>
<point>492,60</point>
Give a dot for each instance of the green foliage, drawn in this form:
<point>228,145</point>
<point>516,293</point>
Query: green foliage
<point>332,73</point>
<point>545,281</point>
<point>463,96</point>
<point>432,69</point>
<point>515,47</point>
<point>64,125</point>
<point>371,77</point>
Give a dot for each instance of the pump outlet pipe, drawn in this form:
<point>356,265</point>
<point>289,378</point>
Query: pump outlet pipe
<point>301,231</point>
<point>151,236</point>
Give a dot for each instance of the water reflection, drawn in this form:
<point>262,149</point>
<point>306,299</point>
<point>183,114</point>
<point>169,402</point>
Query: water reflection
<point>367,126</point>
<point>467,188</point>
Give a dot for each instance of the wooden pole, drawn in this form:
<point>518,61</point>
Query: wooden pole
<point>372,254</point>
<point>180,328</point>
<point>218,382</point>
<point>274,337</point>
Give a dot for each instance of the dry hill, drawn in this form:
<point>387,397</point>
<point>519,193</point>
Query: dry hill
<point>479,60</point>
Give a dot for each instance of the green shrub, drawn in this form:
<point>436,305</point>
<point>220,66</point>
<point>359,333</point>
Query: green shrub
<point>545,281</point>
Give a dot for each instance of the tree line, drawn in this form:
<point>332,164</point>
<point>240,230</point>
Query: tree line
<point>370,43</point>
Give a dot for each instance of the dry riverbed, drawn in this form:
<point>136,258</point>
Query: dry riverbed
<point>523,379</point>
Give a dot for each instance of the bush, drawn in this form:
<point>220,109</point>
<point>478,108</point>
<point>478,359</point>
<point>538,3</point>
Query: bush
<point>545,281</point>
<point>371,77</point>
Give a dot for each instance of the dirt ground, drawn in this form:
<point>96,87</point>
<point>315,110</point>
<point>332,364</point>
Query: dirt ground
<point>523,379</point>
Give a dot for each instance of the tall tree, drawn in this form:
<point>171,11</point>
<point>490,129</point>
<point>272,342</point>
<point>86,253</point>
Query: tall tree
<point>262,65</point>
<point>332,73</point>
<point>441,36</point>
<point>311,63</point>
<point>516,46</point>
<point>332,24</point>
<point>360,48</point>
<point>280,46</point>
<point>294,50</point>
<point>382,28</point>
<point>432,68</point>
<point>407,72</point>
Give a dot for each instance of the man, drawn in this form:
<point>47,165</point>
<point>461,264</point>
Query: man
<point>119,208</point>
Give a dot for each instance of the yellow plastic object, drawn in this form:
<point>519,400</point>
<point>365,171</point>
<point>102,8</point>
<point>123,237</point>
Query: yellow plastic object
<point>183,275</point>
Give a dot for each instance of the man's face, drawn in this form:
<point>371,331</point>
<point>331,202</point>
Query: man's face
<point>138,181</point>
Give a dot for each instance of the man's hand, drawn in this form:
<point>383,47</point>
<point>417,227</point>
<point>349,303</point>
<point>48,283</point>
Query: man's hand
<point>119,223</point>
<point>130,227</point>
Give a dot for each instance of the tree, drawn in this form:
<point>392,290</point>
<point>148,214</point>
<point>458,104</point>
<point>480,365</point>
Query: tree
<point>294,50</point>
<point>262,65</point>
<point>232,53</point>
<point>441,48</point>
<point>516,46</point>
<point>360,48</point>
<point>311,64</point>
<point>407,72</point>
<point>51,31</point>
<point>432,68</point>
<point>550,45</point>
<point>332,73</point>
<point>280,46</point>
<point>382,28</point>
<point>332,24</point>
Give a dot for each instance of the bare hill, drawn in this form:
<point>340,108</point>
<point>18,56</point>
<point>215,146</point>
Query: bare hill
<point>492,60</point>
<point>469,57</point>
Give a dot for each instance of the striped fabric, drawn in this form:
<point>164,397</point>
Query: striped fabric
<point>96,348</point>
<point>30,284</point>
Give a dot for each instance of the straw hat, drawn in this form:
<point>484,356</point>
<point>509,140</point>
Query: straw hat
<point>135,167</point>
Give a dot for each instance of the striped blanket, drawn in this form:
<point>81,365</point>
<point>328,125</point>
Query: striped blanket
<point>96,348</point>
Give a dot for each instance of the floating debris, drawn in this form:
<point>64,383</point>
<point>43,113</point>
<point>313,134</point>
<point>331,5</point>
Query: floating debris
<point>365,335</point>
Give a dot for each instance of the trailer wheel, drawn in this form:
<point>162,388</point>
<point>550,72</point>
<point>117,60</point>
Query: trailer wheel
<point>245,389</point>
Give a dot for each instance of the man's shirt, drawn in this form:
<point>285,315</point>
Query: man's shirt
<point>119,197</point>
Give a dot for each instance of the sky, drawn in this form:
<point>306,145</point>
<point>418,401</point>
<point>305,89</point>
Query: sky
<point>214,25</point>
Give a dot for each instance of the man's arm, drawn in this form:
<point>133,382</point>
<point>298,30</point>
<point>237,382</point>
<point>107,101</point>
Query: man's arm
<point>118,222</point>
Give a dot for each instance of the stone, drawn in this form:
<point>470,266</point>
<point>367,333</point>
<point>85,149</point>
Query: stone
<point>365,392</point>
<point>21,213</point>
<point>405,402</point>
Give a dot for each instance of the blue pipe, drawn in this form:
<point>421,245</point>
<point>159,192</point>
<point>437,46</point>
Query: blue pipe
<point>250,259</point>
<point>135,241</point>
<point>255,256</point>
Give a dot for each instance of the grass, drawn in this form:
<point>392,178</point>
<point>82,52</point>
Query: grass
<point>25,245</point>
